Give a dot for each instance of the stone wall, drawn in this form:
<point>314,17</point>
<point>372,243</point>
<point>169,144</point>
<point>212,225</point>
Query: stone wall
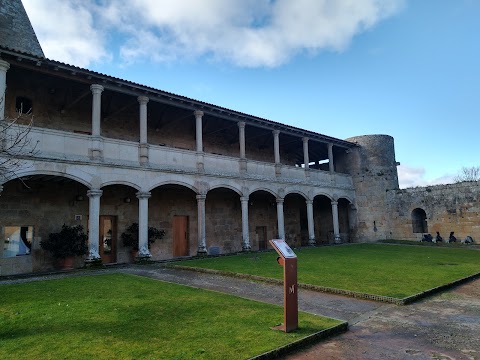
<point>453,207</point>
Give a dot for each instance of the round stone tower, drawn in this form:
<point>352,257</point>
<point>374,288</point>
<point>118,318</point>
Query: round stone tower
<point>374,171</point>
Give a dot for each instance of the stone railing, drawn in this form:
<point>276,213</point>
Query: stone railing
<point>62,145</point>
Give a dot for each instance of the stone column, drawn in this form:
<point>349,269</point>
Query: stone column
<point>143,251</point>
<point>336,227</point>
<point>276,149</point>
<point>280,221</point>
<point>245,235</point>
<point>199,139</point>
<point>241,140</point>
<point>202,244</point>
<point>143,147</point>
<point>330,158</point>
<point>96,146</point>
<point>1,190</point>
<point>311,223</point>
<point>93,224</point>
<point>4,66</point>
<point>306,159</point>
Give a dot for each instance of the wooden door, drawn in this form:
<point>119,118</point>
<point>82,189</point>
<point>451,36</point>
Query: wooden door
<point>261,232</point>
<point>180,236</point>
<point>108,239</point>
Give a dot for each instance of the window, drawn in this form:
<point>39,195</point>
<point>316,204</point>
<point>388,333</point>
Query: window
<point>17,241</point>
<point>23,105</point>
<point>419,221</point>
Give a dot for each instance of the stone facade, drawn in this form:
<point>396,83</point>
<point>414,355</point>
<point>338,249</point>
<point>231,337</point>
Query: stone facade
<point>110,153</point>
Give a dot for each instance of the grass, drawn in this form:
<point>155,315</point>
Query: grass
<point>389,270</point>
<point>128,317</point>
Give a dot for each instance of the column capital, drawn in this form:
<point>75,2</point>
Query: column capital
<point>305,139</point>
<point>309,202</point>
<point>242,198</point>
<point>96,88</point>
<point>143,194</point>
<point>198,113</point>
<point>4,66</point>
<point>241,124</point>
<point>276,132</point>
<point>334,202</point>
<point>143,100</point>
<point>201,197</point>
<point>1,189</point>
<point>280,200</point>
<point>94,193</point>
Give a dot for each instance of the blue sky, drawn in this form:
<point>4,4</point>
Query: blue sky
<point>409,69</point>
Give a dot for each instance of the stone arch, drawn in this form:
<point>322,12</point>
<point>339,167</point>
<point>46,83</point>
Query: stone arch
<point>68,175</point>
<point>419,221</point>
<point>298,192</point>
<point>121,182</point>
<point>262,217</point>
<point>322,193</point>
<point>188,184</point>
<point>265,189</point>
<point>230,187</point>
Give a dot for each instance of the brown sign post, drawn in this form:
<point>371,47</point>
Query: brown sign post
<point>288,260</point>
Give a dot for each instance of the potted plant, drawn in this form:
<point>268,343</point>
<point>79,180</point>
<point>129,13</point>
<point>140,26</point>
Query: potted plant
<point>71,241</point>
<point>130,236</point>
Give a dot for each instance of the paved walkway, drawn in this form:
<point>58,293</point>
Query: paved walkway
<point>443,327</point>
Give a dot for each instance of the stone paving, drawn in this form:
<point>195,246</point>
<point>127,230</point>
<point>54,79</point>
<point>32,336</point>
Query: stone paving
<point>442,327</point>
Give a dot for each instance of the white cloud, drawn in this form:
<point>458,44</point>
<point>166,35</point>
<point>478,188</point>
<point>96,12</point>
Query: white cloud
<point>251,33</point>
<point>67,31</point>
<point>412,176</point>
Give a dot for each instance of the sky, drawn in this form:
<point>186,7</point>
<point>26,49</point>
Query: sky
<point>343,68</point>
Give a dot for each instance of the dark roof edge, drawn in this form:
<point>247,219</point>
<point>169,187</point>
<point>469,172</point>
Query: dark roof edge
<point>116,84</point>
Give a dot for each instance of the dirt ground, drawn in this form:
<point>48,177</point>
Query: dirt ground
<point>442,327</point>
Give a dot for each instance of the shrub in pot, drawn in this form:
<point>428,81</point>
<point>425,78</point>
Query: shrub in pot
<point>71,241</point>
<point>130,236</point>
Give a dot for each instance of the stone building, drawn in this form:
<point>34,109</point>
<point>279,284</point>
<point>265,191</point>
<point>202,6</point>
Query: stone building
<point>110,152</point>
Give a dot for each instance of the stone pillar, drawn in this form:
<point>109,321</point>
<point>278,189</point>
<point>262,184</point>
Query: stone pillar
<point>336,227</point>
<point>306,159</point>
<point>276,149</point>
<point>96,147</point>
<point>241,140</point>
<point>143,147</point>
<point>4,66</point>
<point>245,235</point>
<point>143,251</point>
<point>331,168</point>
<point>202,244</point>
<point>311,224</point>
<point>280,221</point>
<point>199,139</point>
<point>93,224</point>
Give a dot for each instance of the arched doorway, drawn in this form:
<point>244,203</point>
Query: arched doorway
<point>419,221</point>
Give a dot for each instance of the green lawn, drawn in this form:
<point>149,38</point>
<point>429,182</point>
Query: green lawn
<point>390,270</point>
<point>122,316</point>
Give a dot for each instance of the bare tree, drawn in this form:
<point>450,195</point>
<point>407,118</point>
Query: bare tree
<point>468,174</point>
<point>15,143</point>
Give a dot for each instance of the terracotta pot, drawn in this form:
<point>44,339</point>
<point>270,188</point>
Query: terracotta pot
<point>65,263</point>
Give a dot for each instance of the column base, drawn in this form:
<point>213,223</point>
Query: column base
<point>243,166</point>
<point>312,242</point>
<point>246,247</point>
<point>94,263</point>
<point>337,240</point>
<point>202,251</point>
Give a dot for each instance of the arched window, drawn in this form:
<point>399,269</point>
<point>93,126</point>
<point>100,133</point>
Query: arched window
<point>419,221</point>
